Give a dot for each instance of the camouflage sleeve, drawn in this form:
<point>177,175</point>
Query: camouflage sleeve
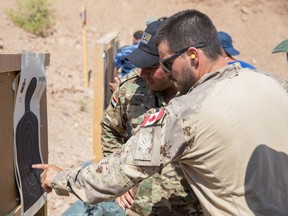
<point>113,134</point>
<point>99,182</point>
<point>142,156</point>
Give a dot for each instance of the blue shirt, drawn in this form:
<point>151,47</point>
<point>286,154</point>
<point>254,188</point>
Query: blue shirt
<point>121,62</point>
<point>243,64</point>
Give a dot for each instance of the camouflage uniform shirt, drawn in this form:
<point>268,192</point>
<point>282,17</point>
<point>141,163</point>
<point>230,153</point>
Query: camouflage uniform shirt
<point>229,134</point>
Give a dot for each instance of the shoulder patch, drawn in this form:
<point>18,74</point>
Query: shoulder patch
<point>114,102</point>
<point>152,119</point>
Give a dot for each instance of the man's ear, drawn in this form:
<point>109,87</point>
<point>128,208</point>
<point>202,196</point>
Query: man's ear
<point>193,53</point>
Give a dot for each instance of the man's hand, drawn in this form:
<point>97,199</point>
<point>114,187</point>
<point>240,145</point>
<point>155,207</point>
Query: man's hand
<point>114,85</point>
<point>47,176</point>
<point>126,200</point>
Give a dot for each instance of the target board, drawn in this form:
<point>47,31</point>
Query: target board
<point>27,132</point>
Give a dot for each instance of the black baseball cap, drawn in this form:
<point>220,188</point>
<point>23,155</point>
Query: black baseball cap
<point>146,54</point>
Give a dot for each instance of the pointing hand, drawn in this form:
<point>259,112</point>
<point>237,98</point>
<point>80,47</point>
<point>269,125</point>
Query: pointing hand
<point>47,176</point>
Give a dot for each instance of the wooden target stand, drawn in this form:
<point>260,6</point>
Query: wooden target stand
<point>105,51</point>
<point>10,66</point>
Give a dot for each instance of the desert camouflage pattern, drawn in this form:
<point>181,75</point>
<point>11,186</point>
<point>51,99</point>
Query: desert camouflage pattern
<point>161,193</point>
<point>205,137</point>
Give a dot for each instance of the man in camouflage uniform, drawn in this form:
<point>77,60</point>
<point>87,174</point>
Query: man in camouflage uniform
<point>228,131</point>
<point>163,193</point>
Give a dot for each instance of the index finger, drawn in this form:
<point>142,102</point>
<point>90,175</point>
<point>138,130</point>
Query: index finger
<point>40,166</point>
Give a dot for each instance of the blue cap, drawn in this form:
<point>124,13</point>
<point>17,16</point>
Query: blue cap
<point>226,43</point>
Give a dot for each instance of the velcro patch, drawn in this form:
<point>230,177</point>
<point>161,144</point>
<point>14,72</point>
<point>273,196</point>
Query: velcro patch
<point>152,119</point>
<point>145,38</point>
<point>144,145</point>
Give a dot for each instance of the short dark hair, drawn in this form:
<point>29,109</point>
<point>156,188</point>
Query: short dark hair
<point>138,34</point>
<point>189,27</point>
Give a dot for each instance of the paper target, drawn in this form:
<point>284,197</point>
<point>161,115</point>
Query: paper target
<point>27,141</point>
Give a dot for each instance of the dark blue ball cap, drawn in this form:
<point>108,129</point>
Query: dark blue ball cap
<point>146,54</point>
<point>226,43</point>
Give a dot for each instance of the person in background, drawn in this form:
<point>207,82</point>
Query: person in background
<point>282,47</point>
<point>227,129</point>
<point>121,65</point>
<point>229,51</point>
<point>163,194</point>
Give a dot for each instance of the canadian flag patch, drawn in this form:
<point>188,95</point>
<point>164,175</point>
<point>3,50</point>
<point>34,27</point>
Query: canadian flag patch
<point>152,119</point>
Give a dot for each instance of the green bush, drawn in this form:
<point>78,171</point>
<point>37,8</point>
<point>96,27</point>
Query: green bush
<point>33,16</point>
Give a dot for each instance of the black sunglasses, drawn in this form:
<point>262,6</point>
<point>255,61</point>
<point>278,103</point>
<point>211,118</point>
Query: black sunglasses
<point>166,64</point>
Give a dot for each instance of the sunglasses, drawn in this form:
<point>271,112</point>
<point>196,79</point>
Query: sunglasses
<point>167,63</point>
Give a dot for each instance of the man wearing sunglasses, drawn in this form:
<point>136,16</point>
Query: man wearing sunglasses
<point>228,131</point>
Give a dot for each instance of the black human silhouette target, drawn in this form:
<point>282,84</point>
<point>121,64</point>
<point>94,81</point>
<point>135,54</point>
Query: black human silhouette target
<point>28,151</point>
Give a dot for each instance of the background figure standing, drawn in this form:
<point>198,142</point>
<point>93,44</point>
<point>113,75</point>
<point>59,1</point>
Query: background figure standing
<point>121,65</point>
<point>229,51</point>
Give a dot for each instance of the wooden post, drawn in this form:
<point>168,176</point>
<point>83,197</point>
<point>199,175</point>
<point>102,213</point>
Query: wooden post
<point>84,40</point>
<point>103,74</point>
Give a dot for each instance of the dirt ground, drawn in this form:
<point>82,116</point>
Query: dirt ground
<point>256,26</point>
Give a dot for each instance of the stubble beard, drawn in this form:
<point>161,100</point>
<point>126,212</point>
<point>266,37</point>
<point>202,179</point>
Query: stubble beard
<point>185,82</point>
